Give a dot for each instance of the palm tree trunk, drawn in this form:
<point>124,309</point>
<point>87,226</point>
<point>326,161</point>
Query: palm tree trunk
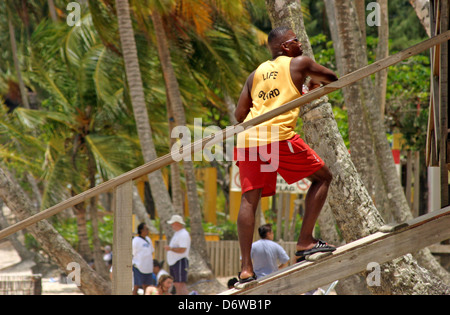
<point>98,253</point>
<point>175,175</point>
<point>51,241</point>
<point>20,248</point>
<point>83,241</point>
<point>23,90</point>
<point>356,57</point>
<point>382,52</point>
<point>197,234</point>
<point>135,85</point>
<point>351,204</point>
<point>52,9</point>
<point>422,8</point>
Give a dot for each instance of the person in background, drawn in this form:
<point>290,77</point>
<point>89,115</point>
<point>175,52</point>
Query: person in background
<point>142,260</point>
<point>266,253</point>
<point>164,287</point>
<point>157,270</point>
<point>107,257</point>
<point>178,253</point>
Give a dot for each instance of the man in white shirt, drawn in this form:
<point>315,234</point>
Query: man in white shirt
<point>142,260</point>
<point>177,254</point>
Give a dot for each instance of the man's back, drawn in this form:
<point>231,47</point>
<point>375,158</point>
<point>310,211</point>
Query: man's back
<point>271,88</point>
<point>265,255</point>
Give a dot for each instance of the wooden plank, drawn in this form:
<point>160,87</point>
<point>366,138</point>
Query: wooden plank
<point>226,133</point>
<point>122,240</point>
<point>354,257</point>
<point>440,249</point>
<point>443,105</point>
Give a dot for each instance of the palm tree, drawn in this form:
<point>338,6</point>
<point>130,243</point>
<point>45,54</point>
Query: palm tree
<point>352,206</point>
<point>137,95</point>
<point>51,241</point>
<point>366,100</point>
<point>12,36</point>
<point>83,131</point>
<point>174,95</point>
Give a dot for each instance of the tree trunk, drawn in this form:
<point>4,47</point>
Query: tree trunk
<point>83,241</point>
<point>175,174</point>
<point>172,88</point>
<point>23,252</point>
<point>52,9</point>
<point>422,8</point>
<point>23,90</point>
<point>100,265</point>
<point>353,47</point>
<point>353,285</point>
<point>360,141</point>
<point>141,213</point>
<point>351,204</point>
<point>49,239</point>
<point>136,88</point>
<point>381,53</point>
<point>161,196</point>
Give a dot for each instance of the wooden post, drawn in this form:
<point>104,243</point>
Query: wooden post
<point>416,201</point>
<point>409,171</point>
<point>287,212</point>
<point>443,103</point>
<point>279,215</point>
<point>122,240</point>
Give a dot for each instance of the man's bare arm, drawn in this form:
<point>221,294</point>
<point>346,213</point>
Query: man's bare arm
<point>303,67</point>
<point>245,100</point>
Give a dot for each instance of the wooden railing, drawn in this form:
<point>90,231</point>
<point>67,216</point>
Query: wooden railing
<point>122,185</point>
<point>224,255</point>
<point>391,242</point>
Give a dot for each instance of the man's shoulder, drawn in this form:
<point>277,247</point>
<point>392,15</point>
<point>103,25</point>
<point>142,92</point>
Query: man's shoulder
<point>183,233</point>
<point>302,60</point>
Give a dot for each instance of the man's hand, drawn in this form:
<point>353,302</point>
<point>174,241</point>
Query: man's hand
<point>313,84</point>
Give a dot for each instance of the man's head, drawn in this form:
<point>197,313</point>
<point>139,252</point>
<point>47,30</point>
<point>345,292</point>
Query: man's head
<point>157,266</point>
<point>283,42</point>
<point>177,222</point>
<point>143,230</point>
<point>265,232</point>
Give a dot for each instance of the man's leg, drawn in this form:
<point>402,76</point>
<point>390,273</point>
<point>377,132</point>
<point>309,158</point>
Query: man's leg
<point>246,226</point>
<point>180,274</point>
<point>315,199</point>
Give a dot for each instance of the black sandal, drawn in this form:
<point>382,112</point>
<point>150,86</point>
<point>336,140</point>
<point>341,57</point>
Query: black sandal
<point>320,247</point>
<point>246,280</point>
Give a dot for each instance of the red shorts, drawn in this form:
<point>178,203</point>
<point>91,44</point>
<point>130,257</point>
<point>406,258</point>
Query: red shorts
<point>293,159</point>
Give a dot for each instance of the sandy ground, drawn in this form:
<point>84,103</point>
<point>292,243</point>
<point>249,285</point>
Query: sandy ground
<point>11,264</point>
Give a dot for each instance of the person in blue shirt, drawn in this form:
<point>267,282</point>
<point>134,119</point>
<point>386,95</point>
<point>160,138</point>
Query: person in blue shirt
<point>267,255</point>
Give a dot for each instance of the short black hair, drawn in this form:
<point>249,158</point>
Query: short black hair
<point>276,33</point>
<point>264,229</point>
<point>140,228</point>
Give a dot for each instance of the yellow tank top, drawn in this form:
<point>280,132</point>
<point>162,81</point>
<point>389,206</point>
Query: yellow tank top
<point>272,88</point>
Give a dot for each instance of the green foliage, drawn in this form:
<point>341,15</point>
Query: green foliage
<point>68,229</point>
<point>84,109</point>
<point>407,99</point>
